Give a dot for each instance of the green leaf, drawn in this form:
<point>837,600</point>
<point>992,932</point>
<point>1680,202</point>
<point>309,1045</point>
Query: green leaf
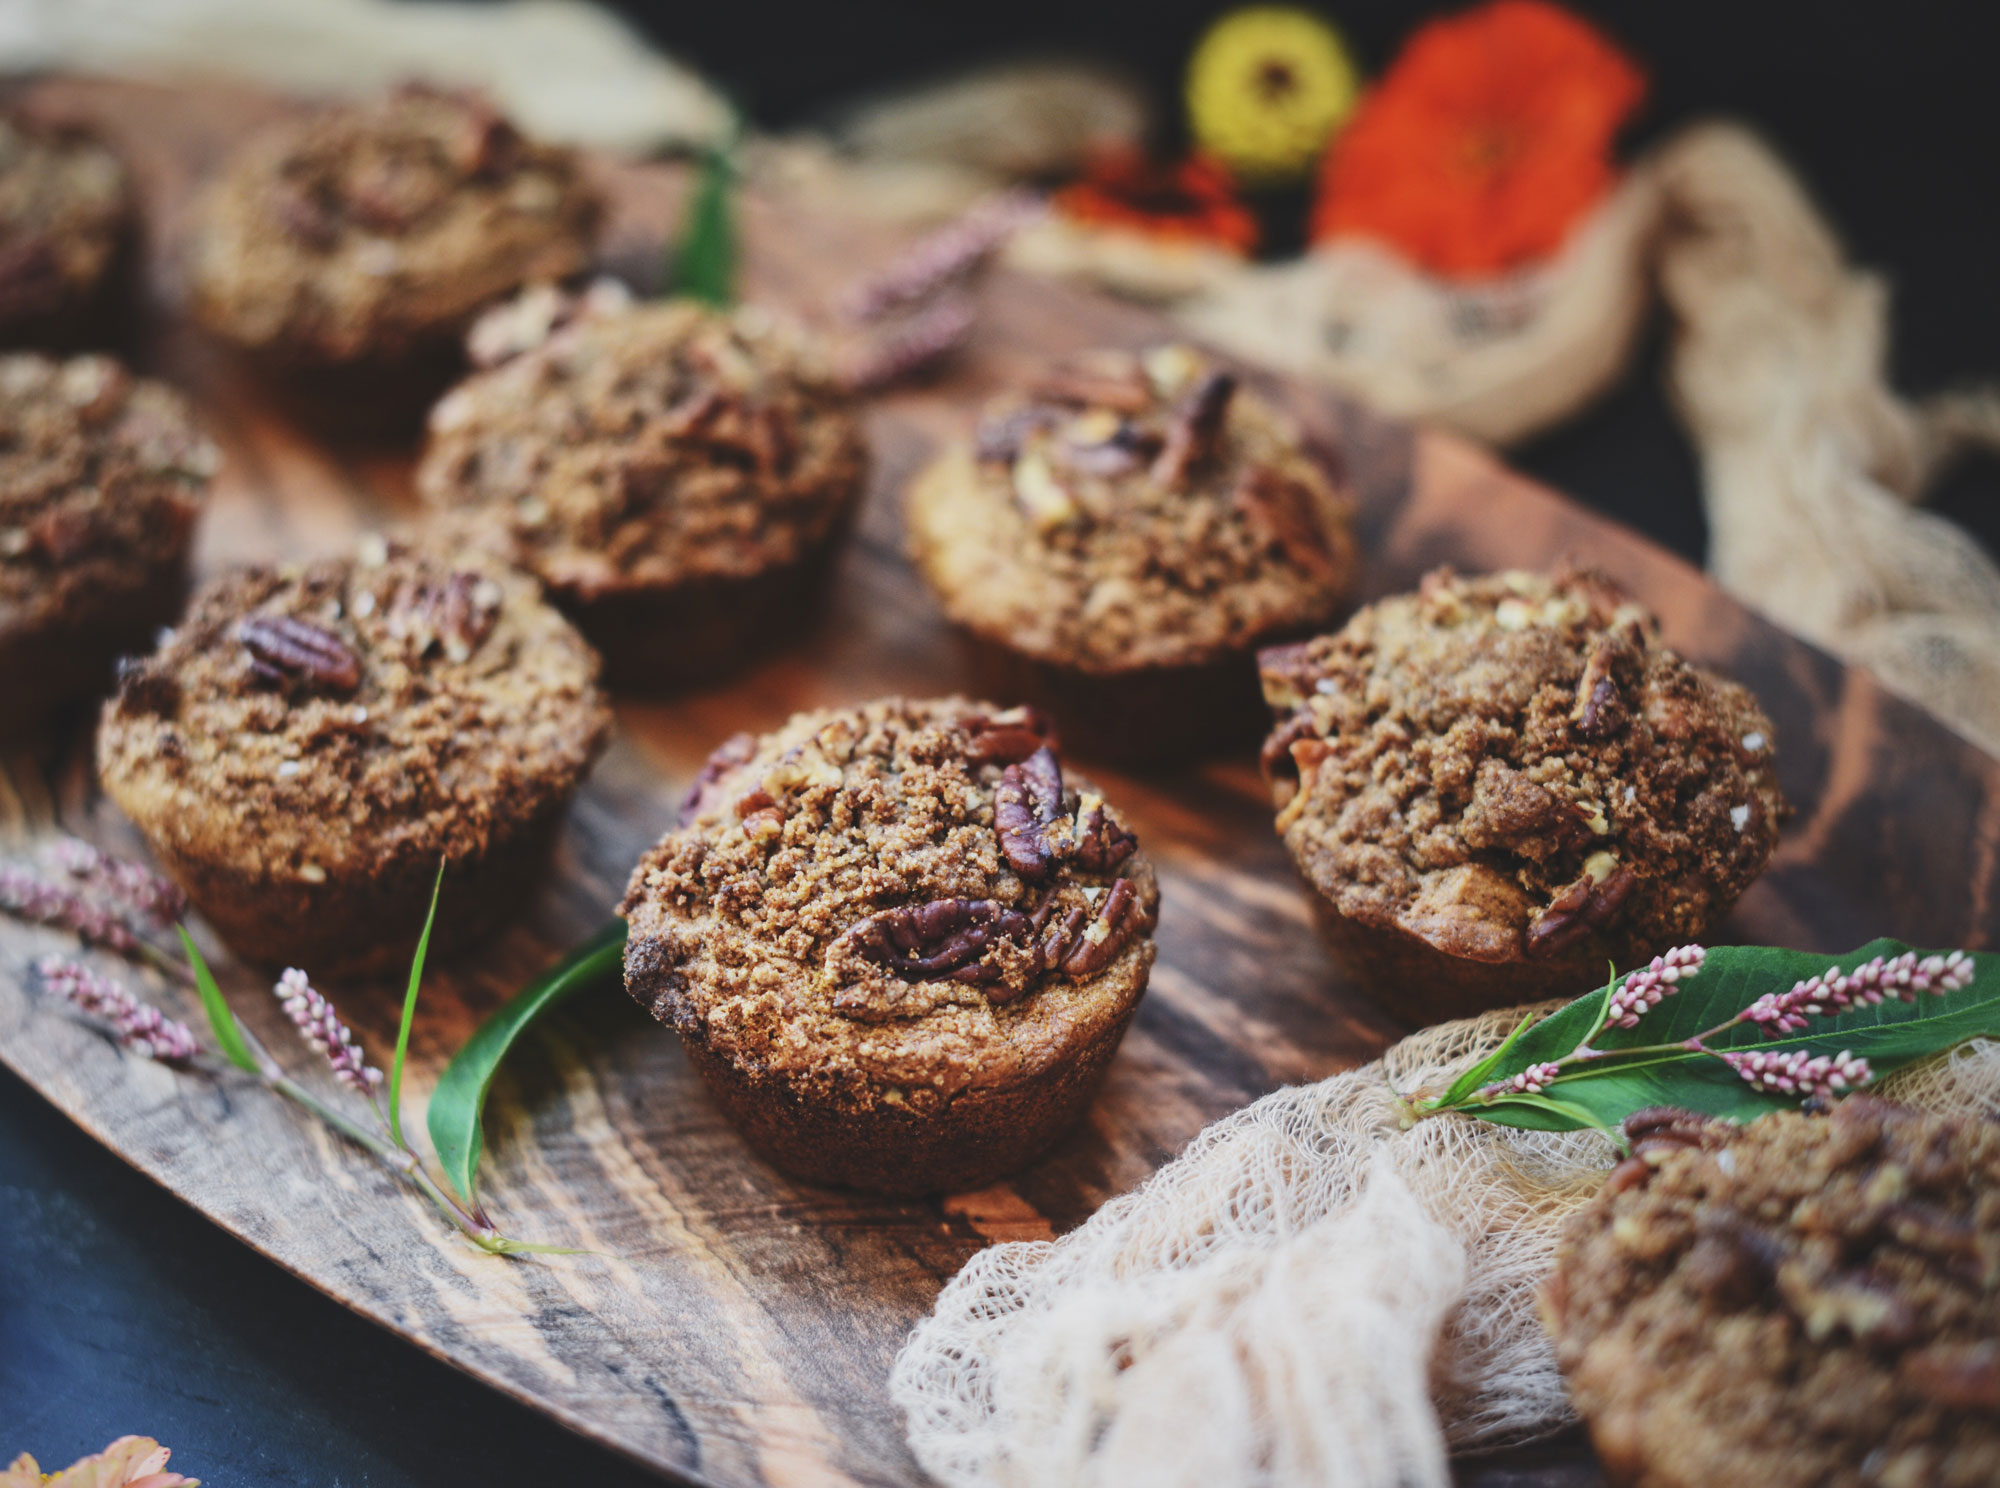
<point>704,257</point>
<point>1540,1113</point>
<point>1636,1071</point>
<point>460,1096</point>
<point>228,1036</point>
<point>410,1012</point>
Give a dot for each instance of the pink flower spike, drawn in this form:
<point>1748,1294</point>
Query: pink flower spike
<point>1646,988</point>
<point>945,257</point>
<point>140,1026</point>
<point>129,885</point>
<point>1799,1072</point>
<point>27,896</point>
<point>1531,1081</point>
<point>315,1018</point>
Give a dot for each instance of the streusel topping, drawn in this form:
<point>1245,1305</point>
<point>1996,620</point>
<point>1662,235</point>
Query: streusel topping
<point>908,890</point>
<point>648,445</point>
<point>313,718</point>
<point>1513,763</point>
<point>1133,511</point>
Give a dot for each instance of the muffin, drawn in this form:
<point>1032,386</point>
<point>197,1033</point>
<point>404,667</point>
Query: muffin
<point>311,741</point>
<point>898,946</point>
<point>1119,540</point>
<point>101,478</point>
<point>65,219</point>
<point>1806,1302</point>
<point>676,476</point>
<point>371,234</point>
<point>1495,786</point>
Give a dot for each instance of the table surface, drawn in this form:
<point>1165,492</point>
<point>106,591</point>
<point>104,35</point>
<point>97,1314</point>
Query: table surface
<point>121,1310</point>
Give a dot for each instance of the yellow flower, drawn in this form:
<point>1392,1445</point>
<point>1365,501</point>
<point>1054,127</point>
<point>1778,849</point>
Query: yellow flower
<point>1266,89</point>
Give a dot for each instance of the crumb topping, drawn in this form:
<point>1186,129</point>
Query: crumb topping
<point>64,204</point>
<point>639,447</point>
<point>363,229</point>
<point>1515,764</point>
<point>902,892</point>
<point>101,479</point>
<point>309,719</point>
<point>1133,511</point>
<point>1813,1301</point>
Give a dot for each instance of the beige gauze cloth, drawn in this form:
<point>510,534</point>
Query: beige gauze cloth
<point>1313,1295</point>
<point>1810,462</point>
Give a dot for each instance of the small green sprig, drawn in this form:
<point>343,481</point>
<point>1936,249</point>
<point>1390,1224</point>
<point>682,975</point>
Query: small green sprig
<point>1734,1031</point>
<point>317,1020</point>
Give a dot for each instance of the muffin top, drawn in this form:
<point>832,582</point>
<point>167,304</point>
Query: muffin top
<point>896,901</point>
<point>1133,511</point>
<point>1784,1302</point>
<point>643,446</point>
<point>364,231</point>
<point>64,208</point>
<point>1514,765</point>
<point>349,714</point>
<point>101,478</point>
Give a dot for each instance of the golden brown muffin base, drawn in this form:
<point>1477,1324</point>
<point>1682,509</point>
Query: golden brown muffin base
<point>831,1138</point>
<point>1147,717</point>
<point>365,926</point>
<point>1418,984</point>
<point>658,641</point>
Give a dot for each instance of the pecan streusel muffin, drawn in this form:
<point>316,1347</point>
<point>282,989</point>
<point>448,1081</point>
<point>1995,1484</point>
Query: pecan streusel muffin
<point>372,233</point>
<point>101,478</point>
<point>1805,1302</point>
<point>311,741</point>
<point>676,476</point>
<point>1495,786</point>
<point>898,945</point>
<point>65,218</point>
<point>1118,541</point>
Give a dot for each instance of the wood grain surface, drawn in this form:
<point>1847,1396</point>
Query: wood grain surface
<point>733,1327</point>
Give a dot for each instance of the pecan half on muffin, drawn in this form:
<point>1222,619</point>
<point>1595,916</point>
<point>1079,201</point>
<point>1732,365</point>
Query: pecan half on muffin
<point>311,742</point>
<point>1118,542</point>
<point>1495,786</point>
<point>65,219</point>
<point>898,945</point>
<point>101,478</point>
<point>676,476</point>
<point>372,233</point>
<point>1805,1302</point>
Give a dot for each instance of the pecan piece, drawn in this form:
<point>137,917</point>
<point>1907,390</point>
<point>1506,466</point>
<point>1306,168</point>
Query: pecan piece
<point>302,214</point>
<point>1007,738</point>
<point>1586,905</point>
<point>1100,843</point>
<point>1195,430</point>
<point>1118,917</point>
<point>944,938</point>
<point>1028,815</point>
<point>453,616</point>
<point>1600,710</point>
<point>1002,436</point>
<point>1122,388</point>
<point>1281,512</point>
<point>485,144</point>
<point>284,648</point>
<point>731,752</point>
<point>1959,1376</point>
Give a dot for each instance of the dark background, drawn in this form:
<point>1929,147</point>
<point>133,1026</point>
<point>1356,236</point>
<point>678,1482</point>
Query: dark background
<point>121,1311</point>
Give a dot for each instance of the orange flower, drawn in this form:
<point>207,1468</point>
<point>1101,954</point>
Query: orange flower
<point>1485,141</point>
<point>1193,200</point>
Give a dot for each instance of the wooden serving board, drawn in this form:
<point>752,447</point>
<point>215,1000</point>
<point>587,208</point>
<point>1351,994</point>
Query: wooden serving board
<point>736,1328</point>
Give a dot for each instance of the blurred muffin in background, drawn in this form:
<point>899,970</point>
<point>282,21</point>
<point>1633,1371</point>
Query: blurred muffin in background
<point>1120,538</point>
<point>65,219</point>
<point>373,233</point>
<point>676,476</point>
<point>102,476</point>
